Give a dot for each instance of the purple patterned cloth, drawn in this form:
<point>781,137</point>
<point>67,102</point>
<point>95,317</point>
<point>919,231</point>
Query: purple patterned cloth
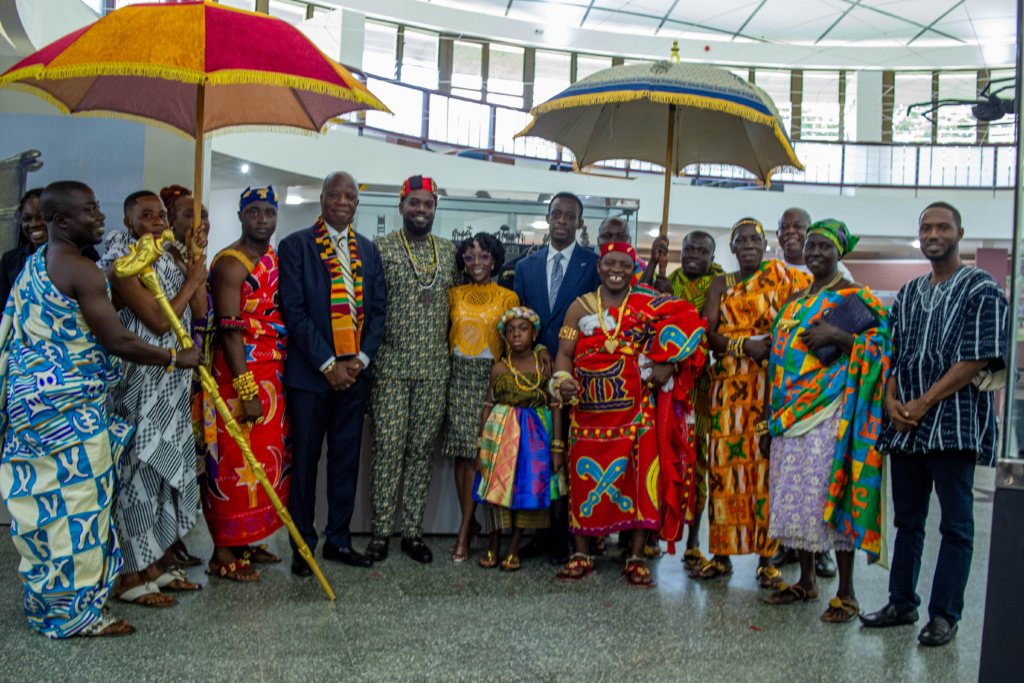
<point>800,469</point>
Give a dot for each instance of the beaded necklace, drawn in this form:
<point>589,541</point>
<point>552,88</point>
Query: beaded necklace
<point>516,375</point>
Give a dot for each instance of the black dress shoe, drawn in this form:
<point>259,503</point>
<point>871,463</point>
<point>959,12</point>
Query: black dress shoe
<point>377,548</point>
<point>535,548</point>
<point>824,566</point>
<point>937,632</point>
<point>784,556</point>
<point>561,554</point>
<point>888,616</point>
<point>346,556</point>
<point>417,550</point>
<point>300,567</point>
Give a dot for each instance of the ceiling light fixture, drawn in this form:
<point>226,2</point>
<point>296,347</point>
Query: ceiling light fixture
<point>654,232</point>
<point>916,244</point>
<point>539,225</point>
<point>293,199</point>
<point>245,168</point>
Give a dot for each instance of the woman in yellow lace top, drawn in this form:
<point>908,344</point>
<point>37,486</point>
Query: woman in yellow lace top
<point>475,344</point>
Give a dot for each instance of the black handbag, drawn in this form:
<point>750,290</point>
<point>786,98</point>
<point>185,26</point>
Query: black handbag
<point>850,315</point>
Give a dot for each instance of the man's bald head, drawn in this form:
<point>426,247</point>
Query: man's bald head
<point>612,230</point>
<point>59,197</point>
<point>793,224</point>
<point>339,199</point>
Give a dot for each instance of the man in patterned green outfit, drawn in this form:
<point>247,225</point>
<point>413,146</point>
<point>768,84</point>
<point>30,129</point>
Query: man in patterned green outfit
<point>411,374</point>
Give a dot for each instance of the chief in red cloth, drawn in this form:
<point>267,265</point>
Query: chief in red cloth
<point>621,352</point>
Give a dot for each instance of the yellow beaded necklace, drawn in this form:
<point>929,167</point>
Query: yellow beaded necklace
<point>516,375</point>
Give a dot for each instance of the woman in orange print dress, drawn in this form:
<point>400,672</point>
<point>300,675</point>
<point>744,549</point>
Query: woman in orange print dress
<point>248,361</point>
<point>740,308</point>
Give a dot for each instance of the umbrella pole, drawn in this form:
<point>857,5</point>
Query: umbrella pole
<point>197,194</point>
<point>670,147</point>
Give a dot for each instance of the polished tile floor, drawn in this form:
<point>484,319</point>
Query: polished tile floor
<point>401,621</point>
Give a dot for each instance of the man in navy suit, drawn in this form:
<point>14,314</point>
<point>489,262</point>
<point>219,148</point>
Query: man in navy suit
<point>333,300</point>
<point>548,281</point>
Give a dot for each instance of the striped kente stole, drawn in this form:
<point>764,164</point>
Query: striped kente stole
<point>346,300</point>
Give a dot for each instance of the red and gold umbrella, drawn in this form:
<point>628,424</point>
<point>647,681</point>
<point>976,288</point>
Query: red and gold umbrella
<point>194,68</point>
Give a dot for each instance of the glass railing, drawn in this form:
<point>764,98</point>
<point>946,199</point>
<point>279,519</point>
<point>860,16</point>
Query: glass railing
<point>481,129</point>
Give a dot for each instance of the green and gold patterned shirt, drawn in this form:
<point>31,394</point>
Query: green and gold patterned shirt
<point>415,344</point>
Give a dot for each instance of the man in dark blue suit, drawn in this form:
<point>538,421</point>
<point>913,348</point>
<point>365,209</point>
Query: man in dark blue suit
<point>548,281</point>
<point>333,299</point>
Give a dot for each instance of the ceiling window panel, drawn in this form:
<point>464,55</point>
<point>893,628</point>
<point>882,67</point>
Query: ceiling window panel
<point>820,112</point>
<point>1001,131</point>
<point>419,59</point>
<point>778,84</point>
<point>467,69</point>
<point>586,65</point>
<point>911,89</point>
<point>957,124</point>
<point>551,74</point>
<point>292,12</point>
<point>379,51</point>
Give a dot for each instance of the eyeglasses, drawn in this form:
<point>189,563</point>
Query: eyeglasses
<point>480,258</point>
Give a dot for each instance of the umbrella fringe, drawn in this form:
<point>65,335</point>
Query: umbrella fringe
<point>38,92</point>
<point>227,77</point>
<point>685,100</point>
<point>226,130</point>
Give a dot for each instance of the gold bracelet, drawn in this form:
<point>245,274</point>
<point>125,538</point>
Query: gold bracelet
<point>761,428</point>
<point>329,367</point>
<point>570,333</point>
<point>245,386</point>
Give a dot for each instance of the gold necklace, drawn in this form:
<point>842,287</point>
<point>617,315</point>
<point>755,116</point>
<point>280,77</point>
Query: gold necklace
<point>417,266</point>
<point>516,374</point>
<point>611,343</point>
<point>789,323</point>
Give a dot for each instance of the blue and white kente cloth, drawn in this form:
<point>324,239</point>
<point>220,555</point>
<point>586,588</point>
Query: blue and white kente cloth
<point>57,474</point>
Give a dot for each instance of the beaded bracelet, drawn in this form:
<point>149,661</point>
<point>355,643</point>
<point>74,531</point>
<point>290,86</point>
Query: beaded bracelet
<point>174,361</point>
<point>761,428</point>
<point>229,323</point>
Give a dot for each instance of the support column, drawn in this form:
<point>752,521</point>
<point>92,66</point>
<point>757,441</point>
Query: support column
<point>842,106</point>
<point>935,114</point>
<point>796,99</point>
<point>983,78</point>
<point>888,102</point>
<point>529,74</point>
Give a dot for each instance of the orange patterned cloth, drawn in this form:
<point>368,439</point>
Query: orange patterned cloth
<point>738,475</point>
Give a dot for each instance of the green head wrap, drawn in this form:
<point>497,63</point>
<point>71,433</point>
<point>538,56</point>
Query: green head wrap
<point>837,233</point>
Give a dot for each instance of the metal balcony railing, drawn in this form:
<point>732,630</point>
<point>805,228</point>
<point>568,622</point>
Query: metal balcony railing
<point>485,131</point>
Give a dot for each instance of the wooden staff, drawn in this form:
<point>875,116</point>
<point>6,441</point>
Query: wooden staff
<point>139,261</point>
<point>197,253</point>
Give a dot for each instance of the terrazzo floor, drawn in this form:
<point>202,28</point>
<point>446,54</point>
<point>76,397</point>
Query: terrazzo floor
<point>401,621</point>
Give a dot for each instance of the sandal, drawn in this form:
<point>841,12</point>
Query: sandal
<point>132,596</point>
<point>259,555</point>
<point>787,595</point>
<point>232,571</point>
<point>841,611</point>
<point>769,577</point>
<point>653,551</point>
<point>175,580</point>
<point>693,559</point>
<point>578,561</point>
<point>510,564</point>
<point>98,628</point>
<point>489,560</point>
<point>638,575</point>
<point>718,569</point>
<point>457,557</point>
<point>182,558</point>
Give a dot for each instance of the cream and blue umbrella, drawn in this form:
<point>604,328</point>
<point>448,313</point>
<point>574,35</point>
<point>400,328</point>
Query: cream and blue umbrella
<point>669,114</point>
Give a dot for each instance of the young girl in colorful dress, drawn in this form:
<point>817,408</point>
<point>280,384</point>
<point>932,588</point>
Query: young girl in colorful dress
<point>518,454</point>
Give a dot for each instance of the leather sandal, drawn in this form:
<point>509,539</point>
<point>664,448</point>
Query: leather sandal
<point>175,580</point>
<point>132,596</point>
<point>719,569</point>
<point>510,564</point>
<point>787,595</point>
<point>769,577</point>
<point>693,559</point>
<point>638,575</point>
<point>489,560</point>
<point>230,571</point>
<point>842,611</point>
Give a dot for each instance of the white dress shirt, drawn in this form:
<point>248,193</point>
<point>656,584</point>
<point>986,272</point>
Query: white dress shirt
<point>567,257</point>
<point>340,241</point>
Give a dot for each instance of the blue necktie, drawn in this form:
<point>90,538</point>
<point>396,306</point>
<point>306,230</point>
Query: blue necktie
<point>557,274</point>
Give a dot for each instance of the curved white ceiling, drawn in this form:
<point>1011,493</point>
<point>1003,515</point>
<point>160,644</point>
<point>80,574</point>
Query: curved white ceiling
<point>908,34</point>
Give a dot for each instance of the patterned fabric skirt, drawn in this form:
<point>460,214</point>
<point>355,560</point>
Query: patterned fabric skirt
<point>467,391</point>
<point>801,467</point>
<point>498,518</point>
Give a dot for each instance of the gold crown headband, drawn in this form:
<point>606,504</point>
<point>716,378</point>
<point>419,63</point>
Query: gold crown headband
<point>747,221</point>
